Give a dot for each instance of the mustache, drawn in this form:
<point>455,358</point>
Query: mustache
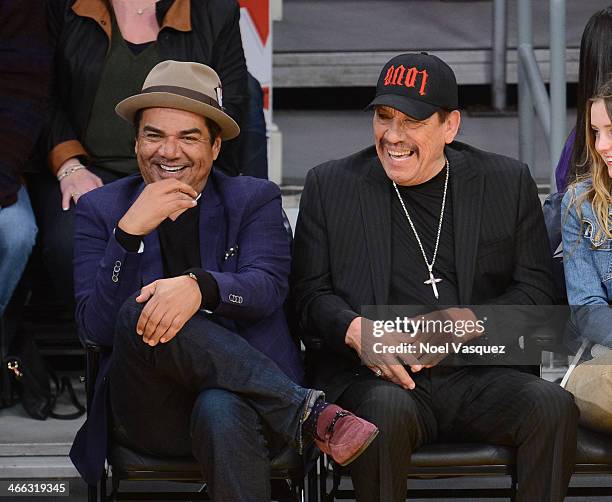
<point>400,146</point>
<point>162,160</point>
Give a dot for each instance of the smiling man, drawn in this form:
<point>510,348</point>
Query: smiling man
<point>424,221</point>
<point>183,272</point>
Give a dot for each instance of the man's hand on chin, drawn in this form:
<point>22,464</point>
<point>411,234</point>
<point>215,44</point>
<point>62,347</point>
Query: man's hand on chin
<point>170,303</point>
<point>158,201</point>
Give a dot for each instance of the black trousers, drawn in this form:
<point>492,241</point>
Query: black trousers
<point>496,405</point>
<point>56,230</point>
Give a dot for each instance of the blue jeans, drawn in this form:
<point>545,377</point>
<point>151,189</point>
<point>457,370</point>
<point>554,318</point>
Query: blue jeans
<point>17,237</point>
<point>206,393</point>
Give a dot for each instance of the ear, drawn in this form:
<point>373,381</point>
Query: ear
<point>216,147</point>
<point>451,126</point>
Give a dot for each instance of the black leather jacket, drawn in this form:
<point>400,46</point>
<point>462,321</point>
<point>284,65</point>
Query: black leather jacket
<point>206,31</point>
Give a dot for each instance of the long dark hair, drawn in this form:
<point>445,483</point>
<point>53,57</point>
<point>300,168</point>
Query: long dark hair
<point>595,68</point>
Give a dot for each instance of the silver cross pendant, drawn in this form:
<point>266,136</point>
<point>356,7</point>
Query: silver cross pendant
<point>432,281</point>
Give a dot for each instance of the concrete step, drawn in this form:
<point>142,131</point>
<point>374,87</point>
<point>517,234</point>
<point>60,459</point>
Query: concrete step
<point>38,449</point>
<point>361,69</point>
<point>40,466</point>
<point>33,449</point>
<point>323,43</point>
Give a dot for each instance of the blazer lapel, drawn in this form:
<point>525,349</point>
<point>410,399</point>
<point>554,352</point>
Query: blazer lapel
<point>374,197</point>
<point>467,185</point>
<point>212,227</point>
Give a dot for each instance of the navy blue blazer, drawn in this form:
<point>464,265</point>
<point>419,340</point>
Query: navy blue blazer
<point>239,212</point>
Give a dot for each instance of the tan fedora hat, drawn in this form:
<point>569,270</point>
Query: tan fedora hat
<point>193,87</point>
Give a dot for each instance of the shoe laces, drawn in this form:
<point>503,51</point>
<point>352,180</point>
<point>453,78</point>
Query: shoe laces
<point>329,432</point>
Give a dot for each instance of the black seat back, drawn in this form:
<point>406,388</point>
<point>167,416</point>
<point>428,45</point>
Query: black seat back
<point>553,220</point>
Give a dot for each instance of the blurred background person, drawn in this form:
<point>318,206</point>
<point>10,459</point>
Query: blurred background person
<point>594,69</point>
<point>253,136</point>
<point>25,59</point>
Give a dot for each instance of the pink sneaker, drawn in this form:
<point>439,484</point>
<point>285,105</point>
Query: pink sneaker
<point>342,435</point>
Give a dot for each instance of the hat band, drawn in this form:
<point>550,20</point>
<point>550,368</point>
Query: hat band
<point>186,93</point>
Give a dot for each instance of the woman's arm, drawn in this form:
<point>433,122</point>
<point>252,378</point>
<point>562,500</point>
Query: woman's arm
<point>586,293</point>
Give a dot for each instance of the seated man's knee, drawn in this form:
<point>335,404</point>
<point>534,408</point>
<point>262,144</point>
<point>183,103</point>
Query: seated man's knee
<point>388,406</point>
<point>128,316</point>
<point>220,416</point>
<point>551,405</point>
<point>17,243</point>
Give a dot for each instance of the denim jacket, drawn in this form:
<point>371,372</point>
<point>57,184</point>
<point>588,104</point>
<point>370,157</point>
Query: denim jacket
<point>587,260</point>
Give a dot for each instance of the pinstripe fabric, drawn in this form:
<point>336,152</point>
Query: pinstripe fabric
<point>494,405</point>
<point>342,249</point>
<point>342,261</point>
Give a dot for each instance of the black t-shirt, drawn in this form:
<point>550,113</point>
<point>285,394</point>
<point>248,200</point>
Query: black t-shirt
<point>179,242</point>
<point>408,269</point>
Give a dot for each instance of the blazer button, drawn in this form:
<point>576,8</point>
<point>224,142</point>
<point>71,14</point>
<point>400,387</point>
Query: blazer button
<point>235,298</point>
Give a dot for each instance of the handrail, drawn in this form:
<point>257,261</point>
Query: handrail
<point>536,85</point>
<point>498,60</point>
<point>551,110</point>
<point>558,89</point>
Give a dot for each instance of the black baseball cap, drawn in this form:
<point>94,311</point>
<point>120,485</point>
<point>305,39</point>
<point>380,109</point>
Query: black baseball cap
<point>417,84</point>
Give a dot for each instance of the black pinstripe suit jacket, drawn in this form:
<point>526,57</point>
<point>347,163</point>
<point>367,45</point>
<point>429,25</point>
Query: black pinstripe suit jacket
<point>342,248</point>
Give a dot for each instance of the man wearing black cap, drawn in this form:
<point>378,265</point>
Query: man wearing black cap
<point>420,219</point>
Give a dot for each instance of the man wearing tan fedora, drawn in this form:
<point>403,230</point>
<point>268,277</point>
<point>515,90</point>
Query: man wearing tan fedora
<point>183,272</point>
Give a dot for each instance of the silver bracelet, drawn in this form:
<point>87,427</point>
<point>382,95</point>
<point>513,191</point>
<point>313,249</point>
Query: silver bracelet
<point>69,171</point>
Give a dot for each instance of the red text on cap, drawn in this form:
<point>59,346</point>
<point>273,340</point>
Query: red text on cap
<point>400,76</point>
